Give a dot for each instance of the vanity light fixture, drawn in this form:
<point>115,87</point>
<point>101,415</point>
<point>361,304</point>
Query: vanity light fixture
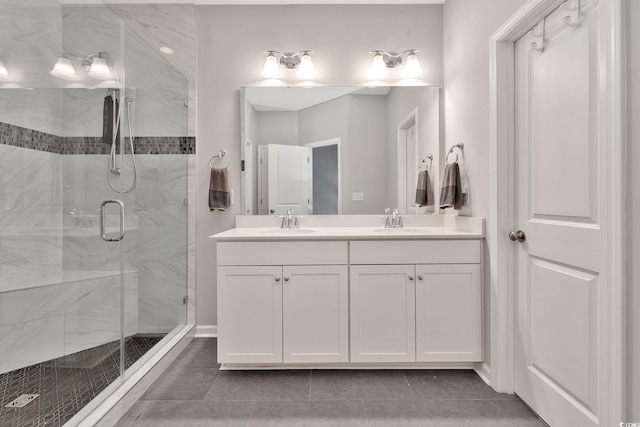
<point>98,66</point>
<point>383,60</point>
<point>289,61</point>
<point>4,73</point>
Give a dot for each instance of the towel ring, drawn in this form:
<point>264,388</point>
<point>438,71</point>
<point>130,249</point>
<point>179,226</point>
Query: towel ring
<point>220,155</point>
<point>424,161</point>
<point>460,146</point>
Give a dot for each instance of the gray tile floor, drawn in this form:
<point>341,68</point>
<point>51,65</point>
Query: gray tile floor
<point>194,392</point>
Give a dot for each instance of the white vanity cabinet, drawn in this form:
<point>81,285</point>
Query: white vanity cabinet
<point>416,301</point>
<point>383,316</point>
<point>283,302</point>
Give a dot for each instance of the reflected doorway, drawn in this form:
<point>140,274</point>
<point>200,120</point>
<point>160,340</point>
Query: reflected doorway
<point>326,198</point>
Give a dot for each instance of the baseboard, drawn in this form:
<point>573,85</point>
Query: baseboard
<point>206,331</point>
<point>484,371</point>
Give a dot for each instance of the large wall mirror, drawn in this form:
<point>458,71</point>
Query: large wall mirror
<point>338,150</point>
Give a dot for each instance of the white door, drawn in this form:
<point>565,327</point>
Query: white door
<point>316,314</point>
<point>288,179</point>
<point>448,315</point>
<point>255,337</point>
<point>560,308</point>
<point>383,317</point>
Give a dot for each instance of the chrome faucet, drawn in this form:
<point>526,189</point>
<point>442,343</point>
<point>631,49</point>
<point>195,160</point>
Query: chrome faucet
<point>290,221</point>
<point>393,219</point>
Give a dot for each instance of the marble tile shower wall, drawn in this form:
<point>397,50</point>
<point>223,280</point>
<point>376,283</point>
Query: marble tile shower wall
<point>48,236</point>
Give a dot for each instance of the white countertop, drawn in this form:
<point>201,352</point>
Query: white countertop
<point>445,227</point>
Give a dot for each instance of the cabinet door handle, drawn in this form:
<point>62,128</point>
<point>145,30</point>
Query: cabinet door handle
<point>286,278</point>
<point>420,277</point>
<point>277,278</point>
<point>410,277</point>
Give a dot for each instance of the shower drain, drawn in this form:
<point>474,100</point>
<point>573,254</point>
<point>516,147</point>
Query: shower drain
<point>22,401</point>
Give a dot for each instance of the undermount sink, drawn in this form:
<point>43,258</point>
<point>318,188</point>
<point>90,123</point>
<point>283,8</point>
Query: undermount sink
<point>400,230</point>
<point>288,231</point>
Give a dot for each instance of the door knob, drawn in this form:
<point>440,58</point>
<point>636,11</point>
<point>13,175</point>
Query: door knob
<point>410,277</point>
<point>517,235</point>
<point>276,278</point>
<point>286,278</point>
<point>420,277</point>
<point>272,211</point>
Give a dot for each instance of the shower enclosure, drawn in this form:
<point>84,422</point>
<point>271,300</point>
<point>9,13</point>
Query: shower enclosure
<point>93,234</point>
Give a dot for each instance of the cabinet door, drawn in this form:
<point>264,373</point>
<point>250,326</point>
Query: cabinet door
<point>250,314</point>
<point>448,313</point>
<point>382,313</point>
<point>316,314</point>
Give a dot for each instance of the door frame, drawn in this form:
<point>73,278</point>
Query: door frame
<point>325,143</point>
<point>501,317</point>
<point>401,152</point>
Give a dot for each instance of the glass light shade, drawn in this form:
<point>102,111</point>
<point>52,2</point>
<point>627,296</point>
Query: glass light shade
<point>4,73</point>
<point>271,69</point>
<point>412,67</point>
<point>378,67</point>
<point>64,70</point>
<point>100,70</point>
<point>305,69</point>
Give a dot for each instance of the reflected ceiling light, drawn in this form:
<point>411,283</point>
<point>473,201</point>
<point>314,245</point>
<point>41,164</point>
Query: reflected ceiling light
<point>98,66</point>
<point>166,50</point>
<point>4,73</point>
<point>383,60</point>
<point>63,69</point>
<point>289,61</point>
<point>100,70</point>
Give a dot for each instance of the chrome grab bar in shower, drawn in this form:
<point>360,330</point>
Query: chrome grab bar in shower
<point>102,225</point>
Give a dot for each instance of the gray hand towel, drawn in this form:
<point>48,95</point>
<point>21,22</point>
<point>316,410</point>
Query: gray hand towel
<point>424,190</point>
<point>219,190</point>
<point>451,192</point>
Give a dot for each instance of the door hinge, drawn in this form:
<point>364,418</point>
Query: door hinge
<point>185,300</point>
<point>241,165</point>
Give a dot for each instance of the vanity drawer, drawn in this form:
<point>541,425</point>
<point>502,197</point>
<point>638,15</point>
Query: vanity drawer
<point>282,253</point>
<point>416,252</point>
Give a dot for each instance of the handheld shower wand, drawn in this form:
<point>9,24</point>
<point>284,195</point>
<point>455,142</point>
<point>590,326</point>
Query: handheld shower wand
<point>112,168</point>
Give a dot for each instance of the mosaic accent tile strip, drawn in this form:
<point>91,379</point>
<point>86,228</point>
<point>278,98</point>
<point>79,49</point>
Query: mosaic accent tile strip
<point>41,141</point>
<point>28,138</point>
<point>66,384</point>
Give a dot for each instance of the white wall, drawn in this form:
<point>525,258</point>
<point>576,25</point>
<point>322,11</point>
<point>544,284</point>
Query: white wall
<point>468,24</point>
<point>231,40</point>
<point>633,213</point>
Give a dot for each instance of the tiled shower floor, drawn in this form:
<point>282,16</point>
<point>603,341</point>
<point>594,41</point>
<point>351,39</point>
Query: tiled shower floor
<point>66,384</point>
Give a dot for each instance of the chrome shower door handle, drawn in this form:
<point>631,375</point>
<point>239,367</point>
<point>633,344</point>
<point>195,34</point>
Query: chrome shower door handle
<point>102,225</point>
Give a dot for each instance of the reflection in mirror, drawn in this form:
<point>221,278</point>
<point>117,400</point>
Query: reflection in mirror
<point>338,150</point>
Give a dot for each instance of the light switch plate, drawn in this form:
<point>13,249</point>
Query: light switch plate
<point>357,197</point>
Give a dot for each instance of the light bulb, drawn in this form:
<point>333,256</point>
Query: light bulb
<point>306,70</point>
<point>4,73</point>
<point>271,69</point>
<point>100,70</point>
<point>412,67</point>
<point>64,70</point>
<point>378,67</point>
